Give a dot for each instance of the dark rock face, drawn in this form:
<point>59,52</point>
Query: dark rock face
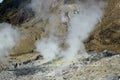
<point>15,11</point>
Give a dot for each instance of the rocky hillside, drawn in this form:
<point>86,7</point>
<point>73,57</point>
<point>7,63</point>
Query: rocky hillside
<point>103,45</point>
<point>104,37</point>
<point>14,11</point>
<point>107,35</point>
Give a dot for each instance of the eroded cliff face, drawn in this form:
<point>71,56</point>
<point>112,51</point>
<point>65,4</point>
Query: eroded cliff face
<point>107,35</point>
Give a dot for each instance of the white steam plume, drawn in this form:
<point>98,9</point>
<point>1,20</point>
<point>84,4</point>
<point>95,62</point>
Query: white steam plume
<point>41,8</point>
<point>8,38</point>
<point>81,25</point>
<point>49,47</point>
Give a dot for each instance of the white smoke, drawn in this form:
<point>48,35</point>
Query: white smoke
<point>48,48</point>
<point>81,25</point>
<point>8,38</point>
<point>41,8</point>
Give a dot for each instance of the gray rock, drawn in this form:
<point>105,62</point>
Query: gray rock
<point>111,77</point>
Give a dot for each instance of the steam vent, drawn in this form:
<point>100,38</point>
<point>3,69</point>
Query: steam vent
<point>59,39</point>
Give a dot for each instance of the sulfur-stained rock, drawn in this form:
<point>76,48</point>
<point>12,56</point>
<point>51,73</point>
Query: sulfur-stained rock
<point>25,58</point>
